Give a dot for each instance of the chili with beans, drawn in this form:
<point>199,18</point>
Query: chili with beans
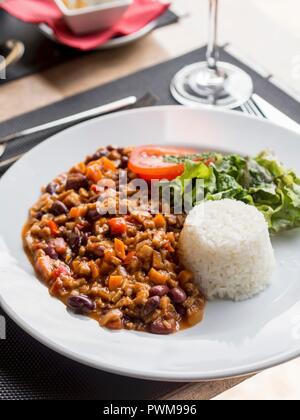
<point>122,271</point>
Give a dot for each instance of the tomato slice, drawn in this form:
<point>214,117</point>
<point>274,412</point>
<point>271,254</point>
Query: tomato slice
<point>148,162</point>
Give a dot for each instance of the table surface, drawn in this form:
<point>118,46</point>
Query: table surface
<point>55,84</point>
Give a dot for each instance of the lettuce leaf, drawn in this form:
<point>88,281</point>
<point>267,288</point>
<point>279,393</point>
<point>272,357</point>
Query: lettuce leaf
<point>261,181</point>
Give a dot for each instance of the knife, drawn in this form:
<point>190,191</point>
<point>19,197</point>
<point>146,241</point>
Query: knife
<point>132,102</point>
<point>273,114</point>
<point>73,119</point>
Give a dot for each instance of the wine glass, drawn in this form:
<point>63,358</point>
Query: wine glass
<point>212,83</point>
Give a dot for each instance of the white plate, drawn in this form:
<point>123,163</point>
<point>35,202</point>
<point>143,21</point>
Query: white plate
<point>235,338</point>
<point>112,43</point>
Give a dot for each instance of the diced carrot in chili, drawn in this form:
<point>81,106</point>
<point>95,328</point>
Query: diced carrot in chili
<point>81,167</point>
<point>94,173</point>
<point>120,249</point>
<point>160,221</point>
<point>77,212</point>
<point>53,227</point>
<point>117,226</point>
<point>157,260</point>
<point>56,287</point>
<point>94,162</point>
<point>115,282</point>
<point>75,265</point>
<point>108,164</point>
<point>169,247</point>
<point>185,277</point>
<point>94,269</point>
<point>108,255</point>
<point>115,325</point>
<point>45,267</point>
<point>158,277</point>
<point>131,255</point>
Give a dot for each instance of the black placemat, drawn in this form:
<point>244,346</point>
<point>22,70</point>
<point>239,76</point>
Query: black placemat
<point>42,53</point>
<point>28,370</point>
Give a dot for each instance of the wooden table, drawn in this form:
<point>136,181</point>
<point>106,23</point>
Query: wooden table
<point>53,85</point>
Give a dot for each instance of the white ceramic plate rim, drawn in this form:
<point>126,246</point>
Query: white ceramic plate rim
<point>155,375</point>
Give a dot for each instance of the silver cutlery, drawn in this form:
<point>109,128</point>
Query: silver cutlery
<point>6,163</point>
<point>251,108</point>
<point>259,107</point>
<point>2,149</point>
<point>127,103</point>
<point>12,50</point>
<point>72,119</point>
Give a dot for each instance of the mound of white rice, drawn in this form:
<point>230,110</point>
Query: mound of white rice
<point>226,244</point>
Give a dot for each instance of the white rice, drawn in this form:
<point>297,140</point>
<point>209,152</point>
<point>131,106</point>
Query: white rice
<point>226,244</point>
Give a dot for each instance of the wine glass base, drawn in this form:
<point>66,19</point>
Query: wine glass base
<point>197,85</point>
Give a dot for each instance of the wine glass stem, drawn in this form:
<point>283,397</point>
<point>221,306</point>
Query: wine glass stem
<point>212,54</point>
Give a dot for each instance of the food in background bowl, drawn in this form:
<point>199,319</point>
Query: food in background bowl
<point>79,4</point>
<point>87,16</point>
<point>75,4</point>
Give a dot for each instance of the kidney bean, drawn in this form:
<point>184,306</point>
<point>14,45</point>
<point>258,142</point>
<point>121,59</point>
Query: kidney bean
<point>50,251</point>
<point>110,148</point>
<point>76,181</point>
<point>86,226</point>
<point>161,290</point>
<point>58,208</point>
<point>98,155</point>
<point>93,215</point>
<point>74,240</point>
<point>99,251</point>
<point>161,328</point>
<point>178,295</point>
<point>151,305</point>
<point>180,309</point>
<point>81,304</point>
<point>124,162</point>
<point>51,188</point>
<point>39,215</point>
<point>84,238</point>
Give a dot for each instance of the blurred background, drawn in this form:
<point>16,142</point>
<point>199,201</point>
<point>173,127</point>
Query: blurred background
<point>266,31</point>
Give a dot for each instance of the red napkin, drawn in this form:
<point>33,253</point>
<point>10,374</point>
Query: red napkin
<point>135,18</point>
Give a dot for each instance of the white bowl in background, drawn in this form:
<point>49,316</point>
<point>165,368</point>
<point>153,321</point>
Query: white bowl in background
<point>97,16</point>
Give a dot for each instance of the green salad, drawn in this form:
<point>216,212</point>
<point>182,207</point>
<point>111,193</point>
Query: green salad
<point>261,181</point>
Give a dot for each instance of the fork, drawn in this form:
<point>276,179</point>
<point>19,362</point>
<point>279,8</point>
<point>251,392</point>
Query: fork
<point>250,107</point>
<point>2,149</point>
<point>145,101</point>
